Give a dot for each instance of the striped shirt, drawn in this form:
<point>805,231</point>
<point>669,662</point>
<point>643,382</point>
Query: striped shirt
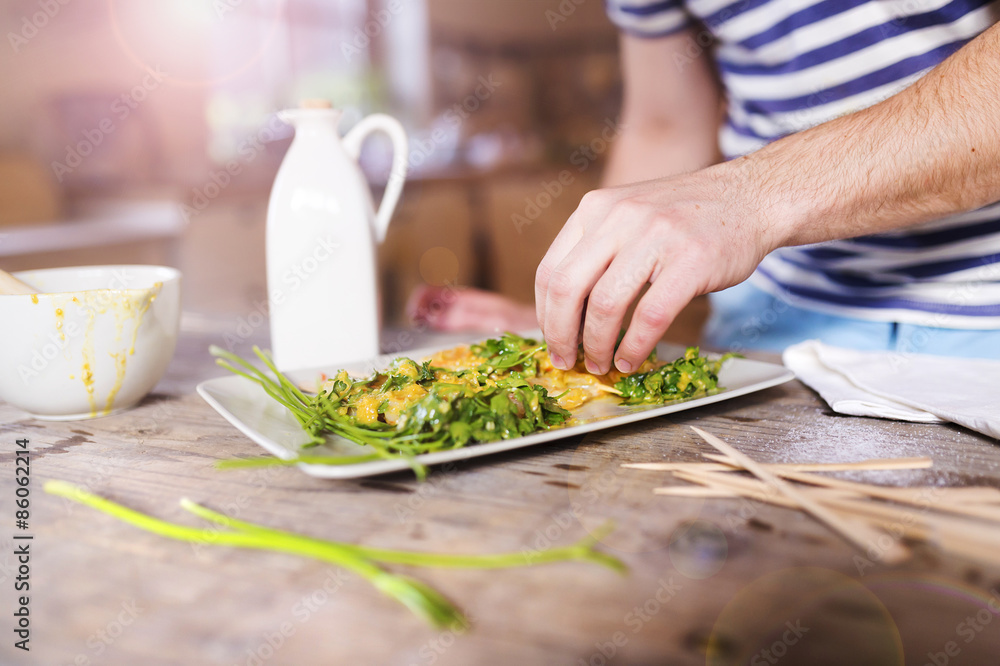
<point>788,65</point>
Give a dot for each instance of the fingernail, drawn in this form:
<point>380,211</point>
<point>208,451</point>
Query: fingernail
<point>592,367</point>
<point>557,361</point>
<point>623,365</point>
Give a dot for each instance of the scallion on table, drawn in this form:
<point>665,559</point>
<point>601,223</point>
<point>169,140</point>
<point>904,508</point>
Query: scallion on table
<point>365,561</point>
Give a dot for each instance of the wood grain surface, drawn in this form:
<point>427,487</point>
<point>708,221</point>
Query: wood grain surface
<point>711,581</point>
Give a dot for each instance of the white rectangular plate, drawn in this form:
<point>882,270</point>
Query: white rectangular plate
<point>245,405</point>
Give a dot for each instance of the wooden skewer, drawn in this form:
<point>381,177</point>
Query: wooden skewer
<point>13,286</point>
<point>725,487</point>
<point>842,498</point>
<point>954,535</point>
<point>606,388</point>
<point>723,464</point>
<point>983,496</point>
<point>974,494</point>
<point>758,490</point>
<point>709,489</point>
<point>970,495</point>
<point>752,488</point>
<point>696,492</point>
<point>893,494</point>
<point>682,466</point>
<point>835,496</point>
<point>942,528</point>
<point>717,491</point>
<point>860,534</point>
<point>973,548</point>
<point>878,464</point>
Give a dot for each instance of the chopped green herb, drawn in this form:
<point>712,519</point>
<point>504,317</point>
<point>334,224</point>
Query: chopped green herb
<point>415,408</point>
<point>508,352</point>
<point>690,376</point>
<point>484,407</point>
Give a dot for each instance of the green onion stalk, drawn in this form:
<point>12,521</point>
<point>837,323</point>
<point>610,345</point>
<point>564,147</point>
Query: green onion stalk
<point>419,598</point>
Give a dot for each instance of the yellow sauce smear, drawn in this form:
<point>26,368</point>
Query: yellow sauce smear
<point>87,370</point>
<point>126,307</point>
<point>120,360</point>
<point>151,296</point>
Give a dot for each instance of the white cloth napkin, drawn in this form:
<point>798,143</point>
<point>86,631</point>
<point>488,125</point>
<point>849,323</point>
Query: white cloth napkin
<point>906,387</point>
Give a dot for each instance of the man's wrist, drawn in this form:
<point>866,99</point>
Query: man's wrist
<point>761,202</point>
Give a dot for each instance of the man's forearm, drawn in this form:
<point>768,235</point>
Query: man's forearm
<point>647,152</point>
<point>931,150</point>
<point>927,152</point>
<point>670,111</point>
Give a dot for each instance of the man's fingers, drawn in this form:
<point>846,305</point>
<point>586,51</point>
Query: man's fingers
<point>568,286</point>
<point>656,310</point>
<point>594,207</point>
<point>565,241</point>
<point>607,304</point>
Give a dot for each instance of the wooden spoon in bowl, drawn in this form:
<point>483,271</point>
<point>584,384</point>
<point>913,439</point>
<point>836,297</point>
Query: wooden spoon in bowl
<point>11,285</point>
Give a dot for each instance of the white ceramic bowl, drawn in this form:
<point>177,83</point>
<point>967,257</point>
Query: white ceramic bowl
<point>94,342</point>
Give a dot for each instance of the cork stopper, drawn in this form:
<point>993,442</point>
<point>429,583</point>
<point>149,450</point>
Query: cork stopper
<point>315,103</point>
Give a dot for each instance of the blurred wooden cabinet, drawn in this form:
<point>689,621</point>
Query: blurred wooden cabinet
<point>523,214</point>
<point>28,194</point>
<point>430,241</point>
<point>223,257</point>
<point>488,231</point>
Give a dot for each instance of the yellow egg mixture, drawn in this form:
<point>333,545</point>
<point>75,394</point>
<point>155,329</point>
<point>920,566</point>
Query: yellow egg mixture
<point>573,387</point>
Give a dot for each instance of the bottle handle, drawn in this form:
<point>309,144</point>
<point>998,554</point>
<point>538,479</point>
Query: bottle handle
<point>394,187</point>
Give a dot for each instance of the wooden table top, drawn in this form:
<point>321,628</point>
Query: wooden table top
<point>711,581</point>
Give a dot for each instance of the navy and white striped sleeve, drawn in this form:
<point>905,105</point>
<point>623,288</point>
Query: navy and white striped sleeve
<point>649,18</point>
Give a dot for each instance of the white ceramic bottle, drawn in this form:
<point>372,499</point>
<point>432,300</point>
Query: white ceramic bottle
<point>322,231</point>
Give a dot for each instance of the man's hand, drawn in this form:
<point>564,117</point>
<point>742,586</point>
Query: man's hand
<point>927,152</point>
<point>657,231</point>
<point>685,236</point>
